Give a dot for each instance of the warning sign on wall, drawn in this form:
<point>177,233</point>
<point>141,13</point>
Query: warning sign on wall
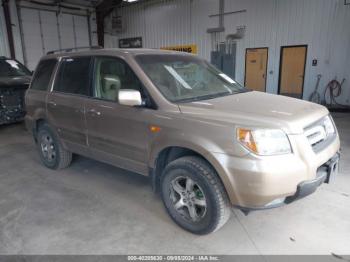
<point>182,48</point>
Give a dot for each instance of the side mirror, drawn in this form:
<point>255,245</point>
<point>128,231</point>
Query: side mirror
<point>129,97</point>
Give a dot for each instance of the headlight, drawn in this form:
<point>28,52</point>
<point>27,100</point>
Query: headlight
<point>264,141</point>
<point>328,125</point>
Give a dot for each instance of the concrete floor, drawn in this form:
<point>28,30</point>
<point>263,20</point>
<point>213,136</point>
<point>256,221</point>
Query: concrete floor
<point>94,208</point>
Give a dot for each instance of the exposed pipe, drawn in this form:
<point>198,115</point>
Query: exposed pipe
<point>230,13</point>
<point>221,27</point>
<point>221,11</point>
<point>5,6</point>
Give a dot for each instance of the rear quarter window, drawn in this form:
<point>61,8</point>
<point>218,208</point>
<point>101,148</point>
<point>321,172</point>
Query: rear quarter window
<point>43,74</point>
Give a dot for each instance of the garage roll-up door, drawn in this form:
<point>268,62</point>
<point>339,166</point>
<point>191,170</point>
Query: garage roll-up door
<point>43,31</point>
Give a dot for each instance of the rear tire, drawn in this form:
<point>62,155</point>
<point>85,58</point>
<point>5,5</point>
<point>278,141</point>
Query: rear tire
<point>194,195</point>
<point>51,151</point>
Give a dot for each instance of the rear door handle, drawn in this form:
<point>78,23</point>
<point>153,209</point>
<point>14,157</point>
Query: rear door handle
<point>52,103</point>
<point>94,112</point>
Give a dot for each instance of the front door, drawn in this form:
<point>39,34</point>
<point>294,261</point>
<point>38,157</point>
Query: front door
<point>117,134</point>
<point>255,68</point>
<point>66,103</point>
<point>292,70</point>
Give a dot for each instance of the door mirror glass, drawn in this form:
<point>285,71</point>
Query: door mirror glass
<point>129,97</point>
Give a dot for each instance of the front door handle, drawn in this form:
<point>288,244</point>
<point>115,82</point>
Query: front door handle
<point>94,112</point>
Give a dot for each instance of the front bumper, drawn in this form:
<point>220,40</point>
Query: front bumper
<point>325,174</point>
<point>254,182</point>
<point>8,116</point>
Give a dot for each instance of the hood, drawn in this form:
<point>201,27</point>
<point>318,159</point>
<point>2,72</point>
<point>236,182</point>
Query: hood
<point>16,81</point>
<point>258,109</point>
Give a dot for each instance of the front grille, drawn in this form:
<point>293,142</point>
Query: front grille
<point>12,98</point>
<point>317,135</point>
<point>11,104</point>
<point>11,101</point>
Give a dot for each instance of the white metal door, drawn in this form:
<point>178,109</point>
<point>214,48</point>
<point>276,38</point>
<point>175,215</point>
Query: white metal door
<point>43,31</point>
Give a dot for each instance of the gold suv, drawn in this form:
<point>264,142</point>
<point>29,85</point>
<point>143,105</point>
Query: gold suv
<point>206,142</point>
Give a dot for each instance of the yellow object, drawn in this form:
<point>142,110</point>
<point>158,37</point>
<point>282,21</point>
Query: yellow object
<point>246,138</point>
<point>182,48</point>
<point>154,129</point>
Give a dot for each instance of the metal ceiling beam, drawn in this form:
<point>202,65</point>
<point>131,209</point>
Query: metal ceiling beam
<point>104,8</point>
<point>5,5</point>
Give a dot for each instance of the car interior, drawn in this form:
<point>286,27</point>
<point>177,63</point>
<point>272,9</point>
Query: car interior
<point>111,76</point>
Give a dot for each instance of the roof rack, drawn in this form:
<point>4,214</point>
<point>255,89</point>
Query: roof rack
<point>67,50</point>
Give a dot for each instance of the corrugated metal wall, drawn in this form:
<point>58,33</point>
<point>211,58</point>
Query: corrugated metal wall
<point>4,51</point>
<point>167,22</point>
<point>323,25</point>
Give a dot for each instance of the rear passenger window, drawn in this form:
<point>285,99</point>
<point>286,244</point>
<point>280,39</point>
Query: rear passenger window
<point>73,76</point>
<point>43,74</point>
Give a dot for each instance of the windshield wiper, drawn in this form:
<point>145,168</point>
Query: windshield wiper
<point>206,97</point>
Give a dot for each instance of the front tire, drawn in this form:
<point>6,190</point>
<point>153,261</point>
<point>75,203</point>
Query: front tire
<point>51,151</point>
<point>194,196</point>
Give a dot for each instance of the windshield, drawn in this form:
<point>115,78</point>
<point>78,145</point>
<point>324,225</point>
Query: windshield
<point>9,67</point>
<point>183,78</point>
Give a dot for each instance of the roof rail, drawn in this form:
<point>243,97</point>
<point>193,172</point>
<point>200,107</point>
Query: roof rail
<point>66,50</point>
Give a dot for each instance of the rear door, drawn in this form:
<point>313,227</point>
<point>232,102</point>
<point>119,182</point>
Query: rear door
<point>35,99</point>
<point>117,134</point>
<point>66,102</point>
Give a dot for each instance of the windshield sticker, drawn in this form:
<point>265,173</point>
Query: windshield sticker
<point>177,77</point>
<point>227,78</point>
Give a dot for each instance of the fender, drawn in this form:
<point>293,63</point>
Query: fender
<point>31,120</point>
<point>196,144</point>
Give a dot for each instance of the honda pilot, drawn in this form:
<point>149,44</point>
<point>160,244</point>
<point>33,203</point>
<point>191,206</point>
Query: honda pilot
<point>207,143</point>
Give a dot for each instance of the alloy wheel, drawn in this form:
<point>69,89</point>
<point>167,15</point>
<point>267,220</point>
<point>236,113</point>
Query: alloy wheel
<point>48,147</point>
<point>188,198</point>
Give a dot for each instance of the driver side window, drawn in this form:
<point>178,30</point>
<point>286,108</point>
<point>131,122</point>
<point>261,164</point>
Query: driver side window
<point>112,75</point>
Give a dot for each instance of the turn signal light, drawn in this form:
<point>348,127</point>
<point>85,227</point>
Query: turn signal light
<point>246,138</point>
<point>154,129</point>
<point>265,142</point>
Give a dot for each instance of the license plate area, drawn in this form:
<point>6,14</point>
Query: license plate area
<point>332,168</point>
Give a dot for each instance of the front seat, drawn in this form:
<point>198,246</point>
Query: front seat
<point>110,85</point>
